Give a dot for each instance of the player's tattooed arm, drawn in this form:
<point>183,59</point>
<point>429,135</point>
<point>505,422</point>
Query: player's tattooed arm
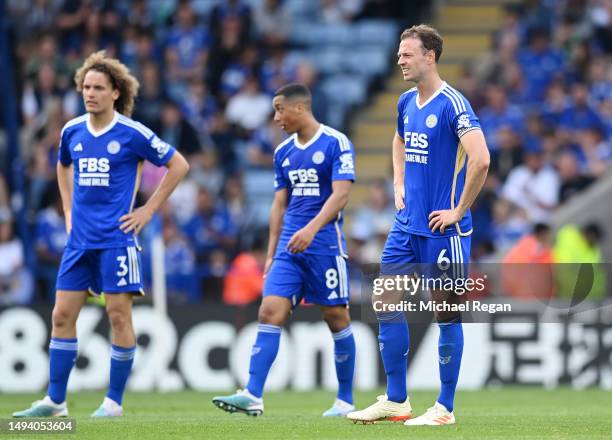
<point>478,160</point>
<point>138,218</point>
<point>276,223</point>
<point>338,199</point>
<point>64,181</point>
<point>399,164</point>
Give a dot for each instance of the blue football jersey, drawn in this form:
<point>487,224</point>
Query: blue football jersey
<point>434,158</point>
<point>307,172</point>
<point>107,170</point>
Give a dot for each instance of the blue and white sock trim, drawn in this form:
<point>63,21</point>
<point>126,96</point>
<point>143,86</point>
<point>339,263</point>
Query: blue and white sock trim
<point>390,316</point>
<point>345,333</point>
<point>268,328</point>
<point>63,344</point>
<point>122,353</point>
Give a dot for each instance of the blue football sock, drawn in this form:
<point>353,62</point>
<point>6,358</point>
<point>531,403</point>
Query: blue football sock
<point>263,354</point>
<point>394,343</point>
<point>344,355</point>
<point>450,349</point>
<point>122,359</point>
<point>62,357</point>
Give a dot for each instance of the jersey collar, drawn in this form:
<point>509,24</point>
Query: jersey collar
<point>431,98</point>
<point>310,142</point>
<point>95,133</point>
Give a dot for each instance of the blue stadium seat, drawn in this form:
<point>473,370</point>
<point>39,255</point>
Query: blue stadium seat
<point>368,61</point>
<point>327,61</point>
<point>346,89</point>
<point>259,187</point>
<point>379,32</point>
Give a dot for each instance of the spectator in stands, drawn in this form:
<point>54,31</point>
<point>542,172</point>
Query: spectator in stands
<point>236,73</point>
<point>47,53</point>
<point>277,70</point>
<point>378,205</point>
<point>244,279</point>
<point>579,246</point>
<point>186,52</point>
<point>540,64</point>
<point>555,104</point>
<point>273,22</point>
<point>179,258</point>
<point>50,238</point>
<point>307,75</point>
<point>335,12</point>
<point>176,130</point>
<point>16,284</point>
<point>249,109</point>
<point>151,96</point>
<point>211,227</point>
<point>527,270</point>
<point>238,12</point>
<point>509,154</point>
<point>41,98</point>
<point>595,151</point>
<point>139,14</point>
<point>199,107</point>
<point>264,141</point>
<point>534,187</point>
<point>225,50</point>
<point>206,172</point>
<point>238,207</point>
<point>579,114</point>
<point>572,181</point>
<point>510,223</point>
<point>497,113</point>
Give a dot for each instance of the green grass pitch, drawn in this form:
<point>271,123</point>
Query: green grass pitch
<point>509,413</point>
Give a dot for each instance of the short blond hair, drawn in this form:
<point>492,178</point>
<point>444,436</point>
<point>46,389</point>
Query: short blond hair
<point>119,76</point>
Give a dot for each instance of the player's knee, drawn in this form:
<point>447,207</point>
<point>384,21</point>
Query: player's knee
<point>120,320</point>
<point>271,315</point>
<point>337,318</point>
<point>62,318</point>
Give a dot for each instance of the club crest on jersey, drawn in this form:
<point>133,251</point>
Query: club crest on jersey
<point>113,147</point>
<point>318,157</point>
<point>431,121</point>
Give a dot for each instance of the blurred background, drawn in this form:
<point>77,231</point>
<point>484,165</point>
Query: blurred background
<point>537,72</point>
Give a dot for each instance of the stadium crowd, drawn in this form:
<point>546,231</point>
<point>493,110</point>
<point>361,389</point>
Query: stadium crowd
<point>207,71</point>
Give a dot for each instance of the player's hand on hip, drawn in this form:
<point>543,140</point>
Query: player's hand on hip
<point>135,220</point>
<point>440,220</point>
<point>300,240</point>
<point>398,191</point>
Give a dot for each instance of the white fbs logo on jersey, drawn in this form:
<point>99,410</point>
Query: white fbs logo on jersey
<point>416,147</point>
<point>305,182</point>
<point>94,171</point>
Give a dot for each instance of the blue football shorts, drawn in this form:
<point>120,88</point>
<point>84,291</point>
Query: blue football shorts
<point>318,279</point>
<point>406,253</point>
<point>113,270</point>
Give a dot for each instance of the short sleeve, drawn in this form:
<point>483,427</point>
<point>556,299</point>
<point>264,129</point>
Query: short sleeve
<point>462,117</point>
<point>64,150</point>
<point>344,161</point>
<point>279,179</point>
<point>400,116</point>
<point>151,148</point>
